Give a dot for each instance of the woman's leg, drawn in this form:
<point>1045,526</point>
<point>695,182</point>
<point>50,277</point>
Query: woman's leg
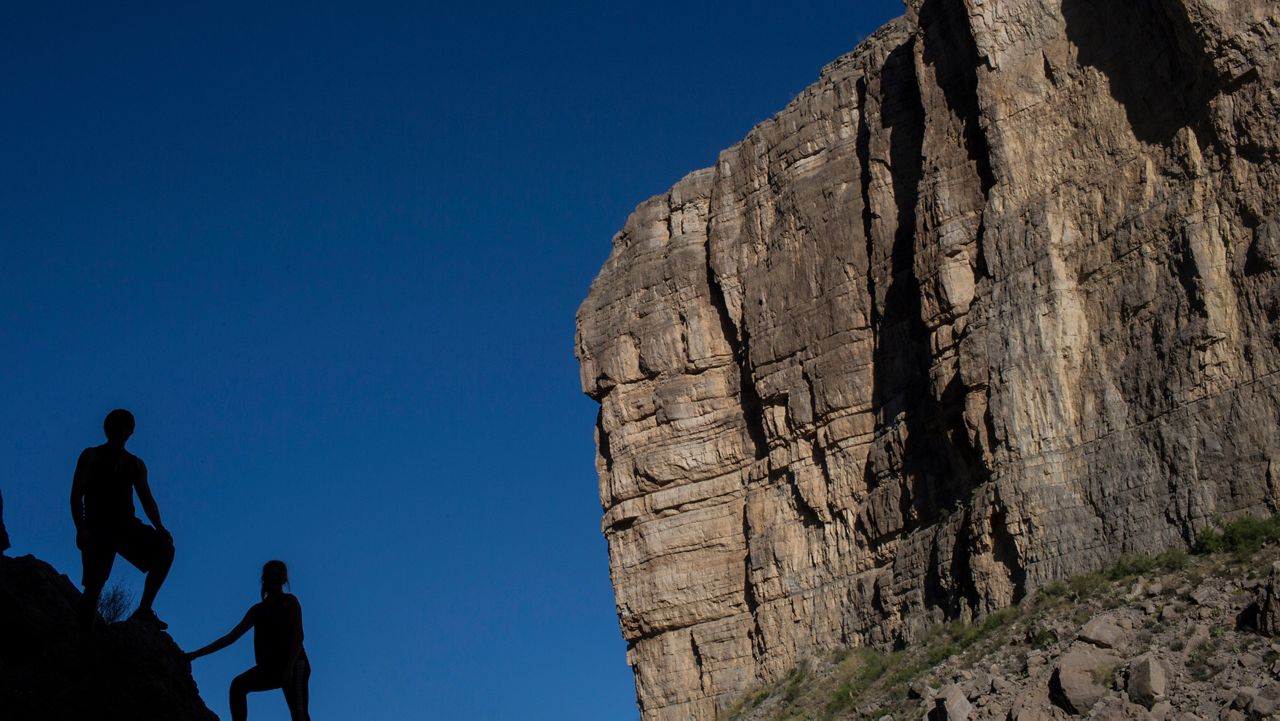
<point>252,680</point>
<point>296,691</point>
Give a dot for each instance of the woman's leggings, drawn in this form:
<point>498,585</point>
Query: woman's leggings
<point>256,679</point>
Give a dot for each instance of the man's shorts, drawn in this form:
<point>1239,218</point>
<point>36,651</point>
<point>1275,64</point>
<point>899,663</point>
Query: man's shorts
<point>136,542</point>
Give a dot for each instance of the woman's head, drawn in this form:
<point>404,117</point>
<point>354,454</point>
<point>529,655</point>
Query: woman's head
<point>275,576</point>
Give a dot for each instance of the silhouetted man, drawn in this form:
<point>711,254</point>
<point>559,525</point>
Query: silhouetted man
<point>102,506</point>
<point>4,537</point>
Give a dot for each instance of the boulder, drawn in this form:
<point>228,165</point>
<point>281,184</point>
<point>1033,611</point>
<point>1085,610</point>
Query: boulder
<point>1269,603</point>
<point>1148,682</point>
<point>1103,631</point>
<point>950,705</point>
<point>1075,685</point>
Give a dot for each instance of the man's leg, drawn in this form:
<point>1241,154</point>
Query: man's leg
<point>89,607</point>
<point>152,553</point>
<point>96,561</point>
<point>156,575</point>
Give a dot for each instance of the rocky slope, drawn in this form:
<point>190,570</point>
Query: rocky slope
<point>48,673</point>
<point>1171,638</point>
<point>990,304</point>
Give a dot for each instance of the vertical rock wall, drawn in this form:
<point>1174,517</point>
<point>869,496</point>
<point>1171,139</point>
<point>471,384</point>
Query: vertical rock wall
<point>991,303</point>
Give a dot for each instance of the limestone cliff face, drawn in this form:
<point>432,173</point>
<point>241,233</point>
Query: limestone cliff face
<point>992,302</point>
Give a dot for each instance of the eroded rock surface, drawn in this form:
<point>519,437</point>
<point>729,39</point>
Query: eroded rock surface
<point>992,302</point>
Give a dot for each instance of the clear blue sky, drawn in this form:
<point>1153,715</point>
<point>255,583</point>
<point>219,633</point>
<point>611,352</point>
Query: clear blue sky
<point>330,256</point>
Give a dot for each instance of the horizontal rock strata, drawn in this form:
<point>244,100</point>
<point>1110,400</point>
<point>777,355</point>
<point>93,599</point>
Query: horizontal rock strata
<point>992,302</point>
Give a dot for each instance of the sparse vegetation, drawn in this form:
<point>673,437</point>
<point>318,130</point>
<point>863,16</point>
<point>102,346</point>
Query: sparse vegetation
<point>1198,662</point>
<point>1104,676</point>
<point>866,683</point>
<point>1042,638</point>
<point>868,666</point>
<point>114,603</point>
<point>1240,537</point>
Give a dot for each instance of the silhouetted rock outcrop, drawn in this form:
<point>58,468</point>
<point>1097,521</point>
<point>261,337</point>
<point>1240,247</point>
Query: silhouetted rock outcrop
<point>129,671</point>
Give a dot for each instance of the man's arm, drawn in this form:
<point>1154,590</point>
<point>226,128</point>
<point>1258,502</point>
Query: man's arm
<point>77,490</point>
<point>148,501</point>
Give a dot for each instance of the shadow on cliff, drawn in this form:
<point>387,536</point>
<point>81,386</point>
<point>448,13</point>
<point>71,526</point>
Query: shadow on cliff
<point>936,461</point>
<point>1154,61</point>
<point>47,673</point>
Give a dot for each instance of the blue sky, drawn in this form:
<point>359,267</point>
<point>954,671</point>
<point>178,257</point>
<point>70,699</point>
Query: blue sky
<point>330,255</point>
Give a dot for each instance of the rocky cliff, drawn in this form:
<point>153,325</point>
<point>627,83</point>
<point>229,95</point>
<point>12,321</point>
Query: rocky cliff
<point>48,672</point>
<point>991,303</point>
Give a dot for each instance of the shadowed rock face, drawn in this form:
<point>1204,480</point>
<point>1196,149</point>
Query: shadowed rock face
<point>992,302</point>
<point>46,674</point>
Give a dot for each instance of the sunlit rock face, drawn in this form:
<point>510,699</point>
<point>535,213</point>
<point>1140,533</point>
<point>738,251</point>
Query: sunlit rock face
<point>992,302</point>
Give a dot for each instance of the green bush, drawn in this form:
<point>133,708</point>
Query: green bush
<point>1042,638</point>
<point>1130,566</point>
<point>1053,591</point>
<point>1244,536</point>
<point>1087,586</point>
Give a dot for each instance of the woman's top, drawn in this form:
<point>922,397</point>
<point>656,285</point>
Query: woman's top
<point>275,620</point>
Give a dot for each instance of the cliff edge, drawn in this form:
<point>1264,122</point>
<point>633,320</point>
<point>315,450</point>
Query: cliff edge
<point>48,673</point>
<point>989,305</point>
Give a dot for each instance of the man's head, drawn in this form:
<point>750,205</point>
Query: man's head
<point>118,425</point>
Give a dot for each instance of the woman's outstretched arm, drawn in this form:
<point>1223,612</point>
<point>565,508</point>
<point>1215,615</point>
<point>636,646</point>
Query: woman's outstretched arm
<point>245,624</point>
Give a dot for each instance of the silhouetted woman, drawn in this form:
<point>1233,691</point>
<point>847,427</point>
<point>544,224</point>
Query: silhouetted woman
<point>277,647</point>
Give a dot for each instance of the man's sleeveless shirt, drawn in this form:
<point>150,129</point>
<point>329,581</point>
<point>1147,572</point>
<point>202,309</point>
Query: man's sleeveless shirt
<point>108,492</point>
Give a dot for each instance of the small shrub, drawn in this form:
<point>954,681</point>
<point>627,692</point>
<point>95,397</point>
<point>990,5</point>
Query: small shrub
<point>1198,667</point>
<point>1087,586</point>
<point>941,652</point>
<point>795,682</point>
<point>1198,662</point>
<point>1130,566</point>
<point>1177,644</point>
<point>1053,591</point>
<point>1174,560</point>
<point>1042,638</point>
<point>1243,536</point>
<point>871,665</point>
<point>114,603</point>
<point>1081,615</point>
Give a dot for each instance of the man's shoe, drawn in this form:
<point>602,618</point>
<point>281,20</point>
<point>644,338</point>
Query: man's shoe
<point>148,616</point>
